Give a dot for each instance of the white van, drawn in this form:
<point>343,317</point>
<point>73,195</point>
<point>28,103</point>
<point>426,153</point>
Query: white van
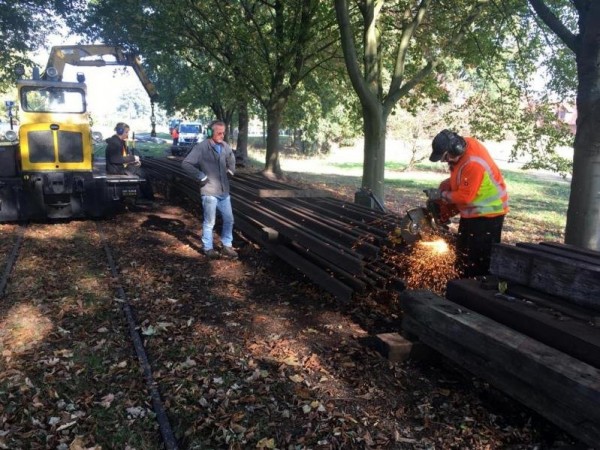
<point>189,133</point>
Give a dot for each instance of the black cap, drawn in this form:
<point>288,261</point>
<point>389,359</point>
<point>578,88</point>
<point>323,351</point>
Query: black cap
<point>440,145</point>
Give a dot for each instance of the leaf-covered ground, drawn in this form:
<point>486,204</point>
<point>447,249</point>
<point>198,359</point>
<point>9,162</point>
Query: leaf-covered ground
<point>67,376</point>
<point>246,354</point>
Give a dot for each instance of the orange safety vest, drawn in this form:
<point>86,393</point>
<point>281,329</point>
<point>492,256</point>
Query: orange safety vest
<point>477,187</point>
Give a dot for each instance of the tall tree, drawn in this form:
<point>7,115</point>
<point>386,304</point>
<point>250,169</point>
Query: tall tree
<point>583,215</point>
<point>400,43</point>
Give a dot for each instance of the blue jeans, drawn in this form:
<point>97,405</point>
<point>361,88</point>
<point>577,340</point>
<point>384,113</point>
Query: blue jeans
<point>210,205</point>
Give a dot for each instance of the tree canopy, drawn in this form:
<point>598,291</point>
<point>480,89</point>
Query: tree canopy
<point>401,53</point>
<point>253,50</point>
<point>24,26</point>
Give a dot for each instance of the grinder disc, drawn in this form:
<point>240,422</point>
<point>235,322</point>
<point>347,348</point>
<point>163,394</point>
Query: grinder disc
<point>415,222</point>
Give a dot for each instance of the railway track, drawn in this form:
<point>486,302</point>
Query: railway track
<point>56,364</point>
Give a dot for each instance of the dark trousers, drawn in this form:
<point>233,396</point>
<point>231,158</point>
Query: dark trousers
<point>474,244</point>
<point>145,186</point>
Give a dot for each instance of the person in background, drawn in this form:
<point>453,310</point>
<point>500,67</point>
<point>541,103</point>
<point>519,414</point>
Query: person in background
<point>212,162</point>
<point>477,189</point>
<point>121,161</point>
<point>175,135</point>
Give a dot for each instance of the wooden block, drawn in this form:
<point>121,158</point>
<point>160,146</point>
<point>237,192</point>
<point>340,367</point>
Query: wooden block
<point>393,346</point>
<point>573,336</point>
<point>551,301</point>
<point>570,278</point>
<point>588,256</point>
<point>574,249</point>
<point>559,387</point>
<point>524,392</point>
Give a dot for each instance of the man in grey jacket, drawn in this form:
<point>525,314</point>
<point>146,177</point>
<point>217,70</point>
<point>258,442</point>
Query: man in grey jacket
<point>211,162</point>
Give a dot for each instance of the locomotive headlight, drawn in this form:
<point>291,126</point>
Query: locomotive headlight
<point>19,70</point>
<point>10,135</point>
<point>52,73</point>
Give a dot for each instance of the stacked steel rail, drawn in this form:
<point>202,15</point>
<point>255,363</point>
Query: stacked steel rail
<point>336,244</point>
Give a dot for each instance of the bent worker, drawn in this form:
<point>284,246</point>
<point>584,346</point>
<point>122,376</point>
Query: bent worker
<point>211,162</point>
<point>477,189</point>
<point>121,161</point>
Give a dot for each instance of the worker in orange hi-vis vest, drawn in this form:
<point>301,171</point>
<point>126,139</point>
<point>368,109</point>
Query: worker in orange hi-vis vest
<point>175,135</point>
<point>477,190</point>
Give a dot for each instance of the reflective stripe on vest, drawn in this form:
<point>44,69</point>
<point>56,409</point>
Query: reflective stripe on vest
<point>485,203</point>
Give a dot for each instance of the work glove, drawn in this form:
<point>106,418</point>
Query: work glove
<point>433,194</point>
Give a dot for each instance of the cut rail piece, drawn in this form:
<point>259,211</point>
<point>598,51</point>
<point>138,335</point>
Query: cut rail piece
<point>559,387</point>
<point>291,193</point>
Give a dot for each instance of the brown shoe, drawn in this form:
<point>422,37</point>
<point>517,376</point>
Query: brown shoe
<point>229,252</point>
<point>212,254</point>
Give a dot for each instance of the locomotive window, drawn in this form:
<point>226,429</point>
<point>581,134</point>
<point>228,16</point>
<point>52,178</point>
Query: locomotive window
<point>53,99</point>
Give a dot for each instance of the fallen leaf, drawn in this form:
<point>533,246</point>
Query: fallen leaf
<point>296,378</point>
<point>266,443</point>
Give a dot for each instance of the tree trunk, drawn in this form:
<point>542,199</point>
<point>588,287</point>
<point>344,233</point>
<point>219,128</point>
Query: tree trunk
<point>242,135</point>
<point>583,215</point>
<point>374,153</point>
<point>274,113</point>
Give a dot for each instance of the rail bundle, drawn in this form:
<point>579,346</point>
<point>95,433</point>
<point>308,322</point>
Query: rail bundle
<point>337,244</point>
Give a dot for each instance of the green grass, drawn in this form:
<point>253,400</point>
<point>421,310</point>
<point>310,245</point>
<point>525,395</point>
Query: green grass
<point>542,199</point>
<point>545,200</point>
<point>143,147</point>
<point>538,202</point>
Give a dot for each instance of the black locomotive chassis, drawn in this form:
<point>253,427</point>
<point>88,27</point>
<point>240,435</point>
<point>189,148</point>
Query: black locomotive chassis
<point>63,195</point>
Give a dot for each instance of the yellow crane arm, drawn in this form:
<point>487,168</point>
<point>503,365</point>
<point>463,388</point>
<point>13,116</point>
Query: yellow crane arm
<point>97,56</point>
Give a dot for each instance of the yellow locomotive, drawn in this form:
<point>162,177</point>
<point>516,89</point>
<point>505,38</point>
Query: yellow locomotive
<point>47,169</point>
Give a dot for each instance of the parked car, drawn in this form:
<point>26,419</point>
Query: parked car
<point>190,133</point>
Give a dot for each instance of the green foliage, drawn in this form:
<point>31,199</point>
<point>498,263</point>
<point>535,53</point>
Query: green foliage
<point>24,27</point>
<point>539,136</point>
<point>557,60</point>
<point>214,54</point>
<point>220,53</point>
<point>319,108</point>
